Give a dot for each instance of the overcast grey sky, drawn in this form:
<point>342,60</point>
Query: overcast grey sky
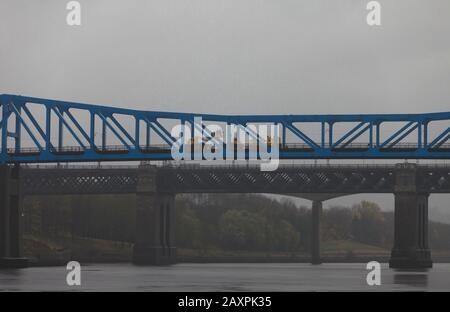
<point>231,56</point>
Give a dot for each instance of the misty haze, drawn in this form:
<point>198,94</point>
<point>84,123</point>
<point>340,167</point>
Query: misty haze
<point>232,59</point>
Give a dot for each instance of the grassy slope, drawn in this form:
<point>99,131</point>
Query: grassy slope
<point>345,246</point>
<point>88,249</point>
<point>84,249</point>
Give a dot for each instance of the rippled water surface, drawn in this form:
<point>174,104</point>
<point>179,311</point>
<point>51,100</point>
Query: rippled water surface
<point>225,277</point>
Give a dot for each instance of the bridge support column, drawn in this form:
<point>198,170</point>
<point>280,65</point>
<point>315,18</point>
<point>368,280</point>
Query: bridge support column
<point>316,214</point>
<point>155,222</point>
<point>10,219</point>
<point>410,249</point>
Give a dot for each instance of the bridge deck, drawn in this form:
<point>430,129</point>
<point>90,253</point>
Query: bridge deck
<point>294,179</point>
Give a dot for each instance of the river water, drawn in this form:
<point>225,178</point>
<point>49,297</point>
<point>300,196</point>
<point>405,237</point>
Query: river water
<point>226,277</point>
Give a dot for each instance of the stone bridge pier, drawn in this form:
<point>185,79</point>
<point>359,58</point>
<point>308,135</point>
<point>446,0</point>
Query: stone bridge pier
<point>316,214</point>
<point>411,248</point>
<point>10,219</point>
<point>155,221</point>
<point>316,221</point>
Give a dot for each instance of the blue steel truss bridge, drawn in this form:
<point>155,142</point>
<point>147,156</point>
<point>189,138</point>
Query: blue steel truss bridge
<point>43,130</point>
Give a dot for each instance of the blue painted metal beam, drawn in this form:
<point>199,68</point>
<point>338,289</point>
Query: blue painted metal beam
<point>294,144</point>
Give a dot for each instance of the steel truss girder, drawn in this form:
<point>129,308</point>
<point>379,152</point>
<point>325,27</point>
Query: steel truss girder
<point>295,142</point>
<point>236,179</point>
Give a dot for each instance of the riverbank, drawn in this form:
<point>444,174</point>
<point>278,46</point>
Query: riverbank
<point>45,252</point>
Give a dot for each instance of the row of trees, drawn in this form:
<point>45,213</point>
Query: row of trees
<point>364,222</point>
<point>100,216</point>
<point>250,222</point>
<point>225,221</point>
<point>242,222</point>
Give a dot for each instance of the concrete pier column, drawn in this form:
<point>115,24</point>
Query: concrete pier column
<point>411,250</point>
<point>155,221</point>
<point>10,219</point>
<point>316,214</point>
